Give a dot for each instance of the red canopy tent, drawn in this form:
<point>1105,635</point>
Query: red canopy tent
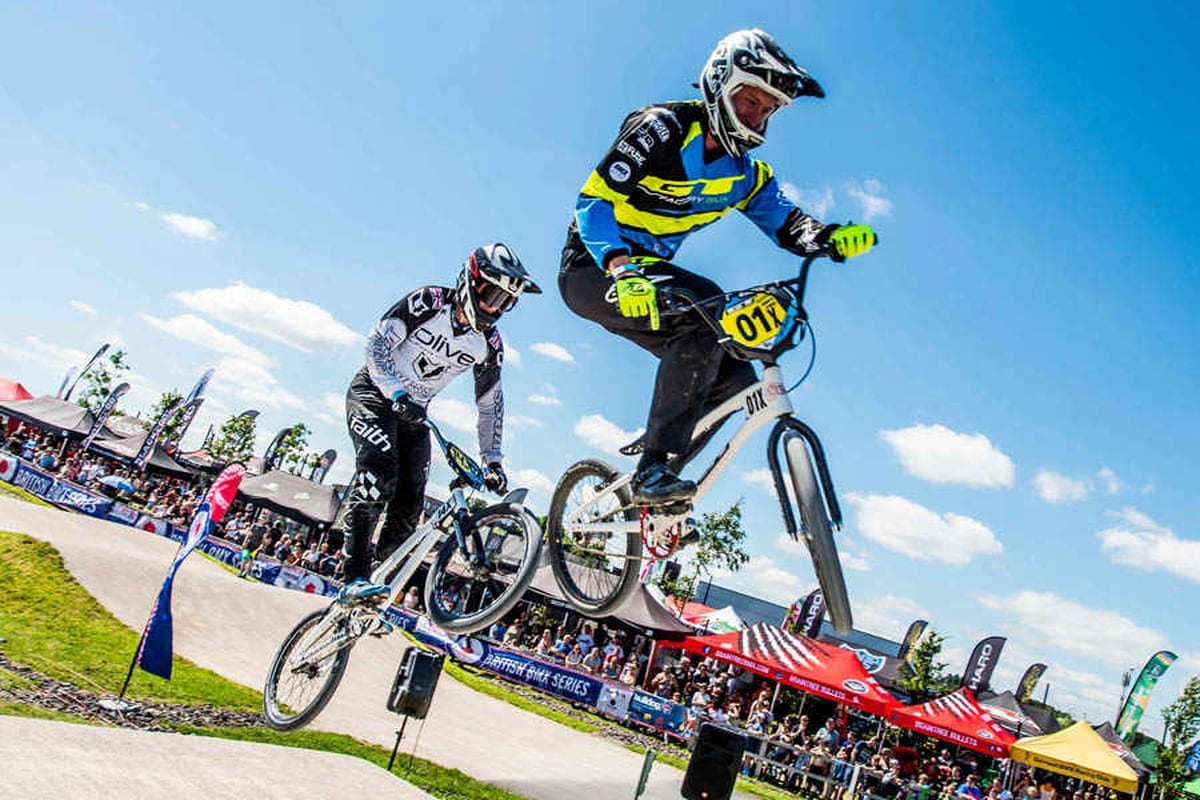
<point>797,661</point>
<point>956,718</point>
<point>11,390</point>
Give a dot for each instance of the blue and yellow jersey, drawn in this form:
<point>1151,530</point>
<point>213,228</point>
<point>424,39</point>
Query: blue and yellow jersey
<point>654,188</point>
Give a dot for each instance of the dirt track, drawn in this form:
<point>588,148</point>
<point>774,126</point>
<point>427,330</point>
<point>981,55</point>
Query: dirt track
<point>233,626</point>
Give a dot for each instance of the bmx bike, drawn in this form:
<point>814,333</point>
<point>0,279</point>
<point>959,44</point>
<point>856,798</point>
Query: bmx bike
<point>485,561</point>
<point>597,536</point>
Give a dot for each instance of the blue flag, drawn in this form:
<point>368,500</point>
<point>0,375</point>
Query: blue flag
<point>155,652</point>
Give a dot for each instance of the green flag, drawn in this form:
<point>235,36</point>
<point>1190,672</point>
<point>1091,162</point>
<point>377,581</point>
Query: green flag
<point>1139,695</point>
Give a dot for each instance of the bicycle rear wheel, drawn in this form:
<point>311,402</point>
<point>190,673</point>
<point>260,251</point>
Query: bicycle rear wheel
<point>596,569</point>
<point>818,535</point>
<point>467,592</point>
<point>307,669</point>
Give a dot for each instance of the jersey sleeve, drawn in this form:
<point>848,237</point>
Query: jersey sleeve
<point>647,138</point>
<point>778,217</point>
<point>489,400</point>
<point>391,330</point>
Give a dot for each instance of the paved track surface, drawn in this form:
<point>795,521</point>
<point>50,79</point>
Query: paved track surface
<point>233,626</point>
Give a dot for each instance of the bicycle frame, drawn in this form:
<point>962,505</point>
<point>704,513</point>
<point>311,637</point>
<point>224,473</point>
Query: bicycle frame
<point>762,403</point>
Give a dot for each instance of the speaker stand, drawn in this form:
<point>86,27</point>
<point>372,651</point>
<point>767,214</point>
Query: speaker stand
<point>396,746</point>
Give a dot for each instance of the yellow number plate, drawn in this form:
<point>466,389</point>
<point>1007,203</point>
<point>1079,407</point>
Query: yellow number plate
<point>755,320</point>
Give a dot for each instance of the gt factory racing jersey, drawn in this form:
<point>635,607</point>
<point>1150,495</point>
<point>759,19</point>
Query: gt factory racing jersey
<point>419,346</point>
<point>654,188</point>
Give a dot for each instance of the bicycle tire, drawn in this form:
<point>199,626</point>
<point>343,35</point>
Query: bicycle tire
<point>448,572</point>
<point>278,714</point>
<point>818,536</point>
<point>621,565</point>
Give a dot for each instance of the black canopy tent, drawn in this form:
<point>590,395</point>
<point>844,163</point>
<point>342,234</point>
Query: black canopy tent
<point>50,413</point>
<point>126,449</point>
<point>293,497</point>
<point>640,610</point>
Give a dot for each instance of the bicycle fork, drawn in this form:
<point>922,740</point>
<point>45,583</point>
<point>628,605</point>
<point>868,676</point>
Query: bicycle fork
<point>791,426</point>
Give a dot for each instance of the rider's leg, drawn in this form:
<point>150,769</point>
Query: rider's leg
<point>373,429</point>
<point>408,498</point>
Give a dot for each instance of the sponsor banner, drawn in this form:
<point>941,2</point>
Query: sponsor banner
<point>1029,680</point>
<point>156,526</point>
<point>102,416</point>
<point>1139,695</point>
<point>265,571</point>
<point>186,414</point>
<point>323,466</point>
<point>549,678</point>
<point>79,376</point>
<point>31,480</point>
<point>614,700</point>
<point>222,551</point>
<point>64,494</point>
<point>657,712</point>
<point>982,662</point>
<point>147,449</point>
<point>272,452</point>
<point>119,512</point>
<point>8,467</point>
<point>916,630</point>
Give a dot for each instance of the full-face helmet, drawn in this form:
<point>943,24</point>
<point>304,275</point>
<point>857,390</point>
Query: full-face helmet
<point>748,58</point>
<point>491,282</point>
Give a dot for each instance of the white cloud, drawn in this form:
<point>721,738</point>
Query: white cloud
<point>1140,542</point>
<point>604,435</point>
<point>552,351</point>
<point>937,454</point>
<point>522,421</point>
<point>532,480</point>
<point>871,200</point>
<point>82,307</point>
<point>253,383</point>
<point>1054,487</point>
<point>544,400</point>
<point>297,323</point>
<point>63,356</point>
<point>887,615</point>
<point>915,531</point>
<point>1055,621</point>
<point>1112,484</point>
<point>191,227</point>
<point>760,478</point>
<point>201,332</point>
<point>458,414</point>
<point>334,403</point>
<point>815,202</point>
<point>763,577</point>
<point>512,356</point>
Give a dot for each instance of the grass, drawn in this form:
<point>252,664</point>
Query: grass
<point>17,493</point>
<point>52,624</point>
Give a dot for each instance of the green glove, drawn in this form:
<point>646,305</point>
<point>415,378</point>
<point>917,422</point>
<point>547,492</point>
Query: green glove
<point>637,297</point>
<point>849,241</point>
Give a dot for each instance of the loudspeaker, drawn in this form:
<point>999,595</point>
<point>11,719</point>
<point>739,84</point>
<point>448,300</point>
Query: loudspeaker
<point>417,677</point>
<point>715,763</point>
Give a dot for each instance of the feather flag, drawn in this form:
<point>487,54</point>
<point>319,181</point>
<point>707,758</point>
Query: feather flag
<point>154,654</point>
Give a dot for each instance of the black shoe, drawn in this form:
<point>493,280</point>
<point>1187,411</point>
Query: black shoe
<point>656,483</point>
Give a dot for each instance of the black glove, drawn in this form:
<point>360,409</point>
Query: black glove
<point>407,409</point>
<point>494,478</point>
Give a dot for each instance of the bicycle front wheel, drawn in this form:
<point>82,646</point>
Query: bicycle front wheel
<point>307,669</point>
<point>596,568</point>
<point>467,592</point>
<point>818,536</point>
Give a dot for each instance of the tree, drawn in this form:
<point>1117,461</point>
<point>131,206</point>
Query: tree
<point>100,379</point>
<point>165,402</point>
<point>927,676</point>
<point>235,440</point>
<point>721,547</point>
<point>292,449</point>
<point>1183,725</point>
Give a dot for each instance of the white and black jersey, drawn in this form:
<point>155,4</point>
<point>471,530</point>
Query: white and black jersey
<point>419,346</point>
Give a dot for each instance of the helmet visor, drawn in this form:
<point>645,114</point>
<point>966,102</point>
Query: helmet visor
<point>495,299</point>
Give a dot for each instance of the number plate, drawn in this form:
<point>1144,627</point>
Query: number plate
<point>754,320</point>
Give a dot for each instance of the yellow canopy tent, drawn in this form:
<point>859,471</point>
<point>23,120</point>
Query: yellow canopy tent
<point>1077,751</point>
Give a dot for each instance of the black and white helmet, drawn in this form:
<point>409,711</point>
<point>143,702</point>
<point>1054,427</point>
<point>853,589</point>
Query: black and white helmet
<point>490,283</point>
<point>748,58</point>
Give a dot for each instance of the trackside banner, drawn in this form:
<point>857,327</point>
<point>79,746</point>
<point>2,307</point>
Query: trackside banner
<point>1139,695</point>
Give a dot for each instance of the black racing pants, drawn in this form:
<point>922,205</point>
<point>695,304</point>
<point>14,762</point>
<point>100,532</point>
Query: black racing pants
<point>694,373</point>
<point>391,468</point>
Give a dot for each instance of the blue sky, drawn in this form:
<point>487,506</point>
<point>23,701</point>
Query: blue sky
<point>1006,387</point>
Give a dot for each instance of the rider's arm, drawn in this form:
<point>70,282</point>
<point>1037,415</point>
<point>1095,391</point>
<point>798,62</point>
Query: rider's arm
<point>780,218</point>
<point>392,329</point>
<point>489,400</point>
<point>647,138</point>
